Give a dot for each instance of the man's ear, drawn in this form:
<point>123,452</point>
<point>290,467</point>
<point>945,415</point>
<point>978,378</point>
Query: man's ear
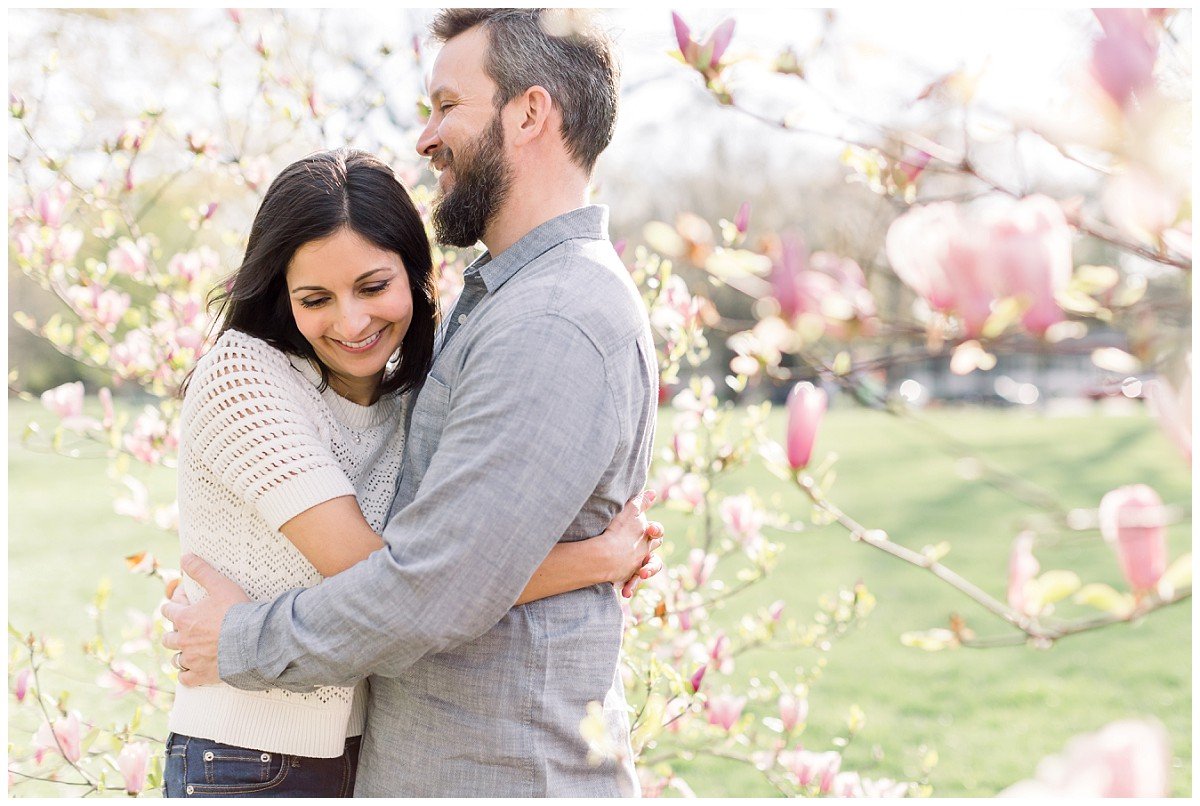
<point>534,109</point>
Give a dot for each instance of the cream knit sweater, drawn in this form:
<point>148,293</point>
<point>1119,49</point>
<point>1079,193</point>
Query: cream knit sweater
<point>259,444</point>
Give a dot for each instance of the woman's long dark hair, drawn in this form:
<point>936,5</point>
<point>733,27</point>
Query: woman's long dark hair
<point>312,199</point>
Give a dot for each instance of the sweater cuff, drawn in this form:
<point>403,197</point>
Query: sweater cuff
<point>280,504</point>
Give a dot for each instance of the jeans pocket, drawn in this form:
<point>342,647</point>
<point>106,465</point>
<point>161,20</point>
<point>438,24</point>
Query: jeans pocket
<point>211,769</point>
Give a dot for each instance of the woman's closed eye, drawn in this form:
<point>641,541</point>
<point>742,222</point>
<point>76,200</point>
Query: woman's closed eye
<point>377,288</point>
<point>314,302</point>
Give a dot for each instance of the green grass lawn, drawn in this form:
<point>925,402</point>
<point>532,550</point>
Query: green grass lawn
<point>990,714</point>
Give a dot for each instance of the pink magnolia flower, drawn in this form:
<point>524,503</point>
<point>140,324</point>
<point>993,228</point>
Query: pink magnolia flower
<point>65,401</point>
<point>50,204</point>
<point>131,136</point>
<point>961,267</point>
<point>1126,759</point>
<point>813,769</point>
<point>21,688</point>
<point>1123,57</point>
<point>59,245</point>
<point>129,258</point>
<point>775,611</point>
<point>701,566</point>
<point>720,653</point>
<point>1131,520</point>
<point>914,165</point>
<point>742,518</point>
<point>884,788</point>
<point>793,711</point>
<point>1022,567</point>
<point>195,265</point>
<point>741,221</point>
<point>122,677</point>
<point>724,710</point>
<point>703,55</point>
<point>806,407</point>
<point>847,785</point>
<point>1027,252</point>
<point>63,737</point>
<point>134,761</point>
<point>256,171</point>
<point>698,678</point>
<point>1173,408</point>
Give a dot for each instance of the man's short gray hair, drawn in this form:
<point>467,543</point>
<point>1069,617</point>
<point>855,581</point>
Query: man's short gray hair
<point>563,50</point>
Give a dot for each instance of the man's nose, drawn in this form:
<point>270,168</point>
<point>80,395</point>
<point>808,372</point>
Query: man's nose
<point>429,141</point>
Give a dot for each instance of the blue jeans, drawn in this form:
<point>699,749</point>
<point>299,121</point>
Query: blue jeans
<point>201,768</point>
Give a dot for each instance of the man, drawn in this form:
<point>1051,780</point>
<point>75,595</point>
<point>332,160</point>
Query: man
<point>535,425</point>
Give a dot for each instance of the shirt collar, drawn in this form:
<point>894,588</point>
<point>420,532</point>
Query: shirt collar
<point>589,222</point>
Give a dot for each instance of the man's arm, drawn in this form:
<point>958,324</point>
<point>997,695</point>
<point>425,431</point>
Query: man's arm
<point>530,431</point>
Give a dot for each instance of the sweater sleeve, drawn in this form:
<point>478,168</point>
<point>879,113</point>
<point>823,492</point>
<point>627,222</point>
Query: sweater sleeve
<point>249,423</point>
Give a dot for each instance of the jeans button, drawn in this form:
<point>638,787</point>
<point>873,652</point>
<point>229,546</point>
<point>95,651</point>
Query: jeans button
<point>208,756</point>
<point>266,757</point>
<point>191,789</point>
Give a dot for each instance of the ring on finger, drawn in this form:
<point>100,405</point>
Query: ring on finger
<point>177,662</point>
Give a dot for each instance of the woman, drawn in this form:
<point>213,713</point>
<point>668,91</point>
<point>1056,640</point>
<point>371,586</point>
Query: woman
<point>292,436</point>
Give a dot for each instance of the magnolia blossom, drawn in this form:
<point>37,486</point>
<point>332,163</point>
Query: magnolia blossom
<point>129,258</point>
<point>703,55</point>
<point>813,769</point>
<point>134,761</point>
<point>50,205</point>
<point>793,711</point>
<point>1022,568</point>
<point>700,566</point>
<point>63,738</point>
<point>824,285</point>
<point>1126,759</point>
<point>806,406</point>
<point>195,265</point>
<point>721,653</point>
<point>962,266</point>
<point>65,401</point>
<point>1131,520</point>
<point>151,437</point>
<point>742,518</point>
<point>21,684</point>
<point>122,677</point>
<point>135,355</point>
<point>105,306</point>
<point>724,710</point>
<point>1123,57</point>
<point>847,785</point>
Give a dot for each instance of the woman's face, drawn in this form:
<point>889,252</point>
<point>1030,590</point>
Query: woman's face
<point>351,301</point>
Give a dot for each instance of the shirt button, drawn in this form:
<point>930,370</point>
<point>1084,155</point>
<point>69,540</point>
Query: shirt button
<point>191,790</point>
<point>462,318</point>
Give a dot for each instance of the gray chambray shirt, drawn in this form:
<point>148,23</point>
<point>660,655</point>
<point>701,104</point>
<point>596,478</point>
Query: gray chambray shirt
<point>534,427</point>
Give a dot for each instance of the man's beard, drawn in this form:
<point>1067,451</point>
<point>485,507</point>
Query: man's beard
<point>481,183</point>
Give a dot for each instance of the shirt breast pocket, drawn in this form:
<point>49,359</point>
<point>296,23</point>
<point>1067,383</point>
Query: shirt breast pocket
<point>425,431</point>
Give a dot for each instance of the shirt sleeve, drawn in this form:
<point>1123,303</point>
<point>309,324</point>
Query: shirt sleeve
<point>248,424</point>
<point>530,431</point>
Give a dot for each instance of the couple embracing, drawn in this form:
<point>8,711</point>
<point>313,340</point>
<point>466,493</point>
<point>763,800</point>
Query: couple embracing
<point>390,588</point>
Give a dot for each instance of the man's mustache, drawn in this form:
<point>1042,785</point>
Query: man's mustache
<point>442,159</point>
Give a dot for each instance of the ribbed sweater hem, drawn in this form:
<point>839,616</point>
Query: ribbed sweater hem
<point>245,719</point>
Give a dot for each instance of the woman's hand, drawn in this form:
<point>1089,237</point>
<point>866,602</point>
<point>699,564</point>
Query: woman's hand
<point>628,544</point>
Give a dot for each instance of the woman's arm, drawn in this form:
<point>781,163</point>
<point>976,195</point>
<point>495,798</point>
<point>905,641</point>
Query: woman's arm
<point>617,555</point>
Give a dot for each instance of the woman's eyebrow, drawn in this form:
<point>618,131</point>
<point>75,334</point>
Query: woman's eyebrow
<point>359,278</point>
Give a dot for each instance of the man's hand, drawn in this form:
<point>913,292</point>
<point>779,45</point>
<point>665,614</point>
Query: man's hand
<point>198,626</point>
